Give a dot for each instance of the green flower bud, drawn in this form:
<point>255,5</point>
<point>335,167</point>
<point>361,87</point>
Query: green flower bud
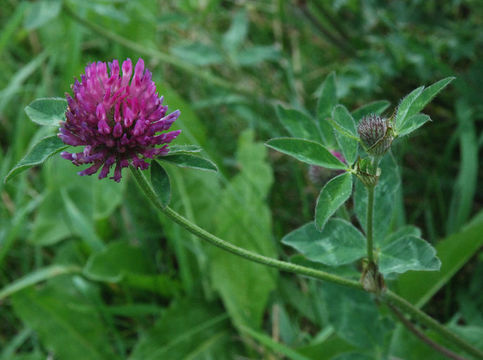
<point>376,134</point>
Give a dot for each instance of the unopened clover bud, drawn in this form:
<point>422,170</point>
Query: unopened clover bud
<point>376,134</point>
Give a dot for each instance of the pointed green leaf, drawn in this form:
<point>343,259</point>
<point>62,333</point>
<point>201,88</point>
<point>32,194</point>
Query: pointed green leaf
<point>428,94</point>
<point>160,182</point>
<point>327,133</point>
<point>376,107</point>
<point>327,97</point>
<point>404,107</point>
<point>346,133</point>
<point>348,146</point>
<point>40,152</point>
<point>306,151</point>
<point>331,197</point>
<point>413,123</point>
<point>47,111</point>
<point>408,253</point>
<point>189,161</point>
<point>176,149</point>
<point>298,124</point>
<point>339,242</point>
<point>415,102</point>
<point>344,121</point>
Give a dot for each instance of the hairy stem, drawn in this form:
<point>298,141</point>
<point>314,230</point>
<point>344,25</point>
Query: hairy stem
<point>391,298</point>
<point>422,336</point>
<point>297,269</point>
<point>369,223</point>
<point>214,240</point>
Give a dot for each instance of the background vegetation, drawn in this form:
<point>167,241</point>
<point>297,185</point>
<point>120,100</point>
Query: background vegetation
<point>125,283</point>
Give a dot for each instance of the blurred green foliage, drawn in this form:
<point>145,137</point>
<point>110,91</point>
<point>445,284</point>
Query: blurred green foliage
<point>123,283</point>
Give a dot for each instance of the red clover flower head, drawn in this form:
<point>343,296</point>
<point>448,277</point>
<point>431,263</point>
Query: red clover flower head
<point>117,119</point>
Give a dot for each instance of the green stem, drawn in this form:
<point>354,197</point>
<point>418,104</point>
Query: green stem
<point>428,321</point>
<point>297,269</point>
<point>421,335</point>
<point>214,240</point>
<point>166,58</point>
<point>369,223</point>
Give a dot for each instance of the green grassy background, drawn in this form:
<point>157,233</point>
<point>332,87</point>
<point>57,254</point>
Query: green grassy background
<point>136,286</point>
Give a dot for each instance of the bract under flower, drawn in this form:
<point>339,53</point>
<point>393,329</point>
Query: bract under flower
<point>118,118</point>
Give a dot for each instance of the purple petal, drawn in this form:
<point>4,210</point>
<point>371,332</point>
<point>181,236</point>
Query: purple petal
<point>90,170</point>
<point>117,116</point>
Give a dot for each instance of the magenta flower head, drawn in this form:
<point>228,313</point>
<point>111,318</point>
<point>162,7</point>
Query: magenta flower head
<point>119,120</point>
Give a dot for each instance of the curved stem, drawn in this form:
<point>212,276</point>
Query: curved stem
<point>422,336</point>
<point>298,269</point>
<point>428,321</point>
<point>214,240</point>
<point>369,223</point>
